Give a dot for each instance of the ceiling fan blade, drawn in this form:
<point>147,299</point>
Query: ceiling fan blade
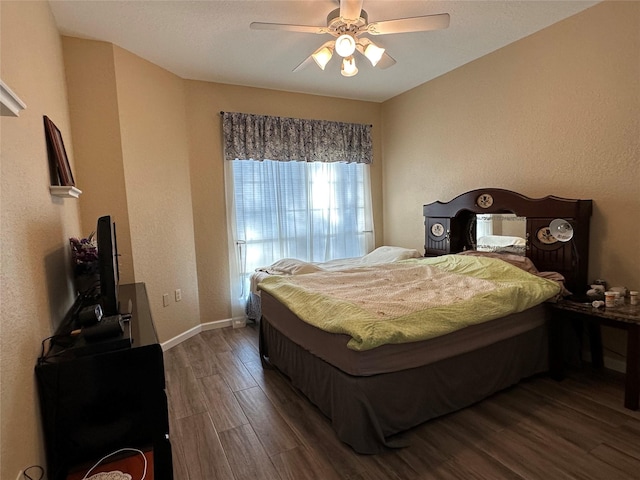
<point>309,60</point>
<point>305,63</point>
<point>386,61</point>
<point>350,9</point>
<point>288,28</point>
<point>413,24</point>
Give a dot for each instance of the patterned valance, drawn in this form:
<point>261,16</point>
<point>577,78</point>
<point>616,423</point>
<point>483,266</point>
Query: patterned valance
<point>261,137</point>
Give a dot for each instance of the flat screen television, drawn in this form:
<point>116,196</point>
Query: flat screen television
<point>108,265</point>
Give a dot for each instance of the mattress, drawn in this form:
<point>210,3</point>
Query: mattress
<point>332,348</point>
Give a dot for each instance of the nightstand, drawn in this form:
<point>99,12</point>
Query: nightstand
<point>625,317</point>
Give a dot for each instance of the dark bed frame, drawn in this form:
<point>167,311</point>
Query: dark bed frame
<point>368,412</point>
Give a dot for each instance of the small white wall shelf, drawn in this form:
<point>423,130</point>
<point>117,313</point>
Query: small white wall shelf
<point>65,191</point>
<point>11,105</point>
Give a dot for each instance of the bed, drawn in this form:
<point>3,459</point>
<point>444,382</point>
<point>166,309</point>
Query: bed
<point>374,389</point>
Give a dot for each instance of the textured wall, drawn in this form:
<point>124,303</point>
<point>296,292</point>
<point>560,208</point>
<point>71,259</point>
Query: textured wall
<point>97,143</point>
<point>35,266</point>
<point>129,126</point>
<point>160,150</point>
<point>555,113</point>
<point>153,129</point>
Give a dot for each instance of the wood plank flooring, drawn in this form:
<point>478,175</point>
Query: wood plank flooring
<point>232,420</point>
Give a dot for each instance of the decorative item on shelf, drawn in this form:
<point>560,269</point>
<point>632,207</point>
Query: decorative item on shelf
<point>610,298</point>
<point>600,281</point>
<point>62,181</point>
<point>621,294</point>
<point>596,292</point>
<point>84,253</point>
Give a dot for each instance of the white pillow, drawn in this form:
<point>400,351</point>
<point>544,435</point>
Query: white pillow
<point>389,254</point>
<point>292,266</point>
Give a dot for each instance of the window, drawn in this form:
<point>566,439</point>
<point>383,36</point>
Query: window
<point>311,211</point>
<point>295,188</point>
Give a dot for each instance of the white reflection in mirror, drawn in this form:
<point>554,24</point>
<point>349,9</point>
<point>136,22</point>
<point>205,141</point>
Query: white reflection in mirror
<point>501,232</point>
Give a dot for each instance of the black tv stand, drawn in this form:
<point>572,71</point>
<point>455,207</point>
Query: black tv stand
<point>96,402</point>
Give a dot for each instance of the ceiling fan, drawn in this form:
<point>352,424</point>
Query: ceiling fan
<point>347,24</point>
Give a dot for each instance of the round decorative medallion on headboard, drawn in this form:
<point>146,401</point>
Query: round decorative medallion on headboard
<point>437,229</point>
<point>484,201</point>
<point>544,236</point>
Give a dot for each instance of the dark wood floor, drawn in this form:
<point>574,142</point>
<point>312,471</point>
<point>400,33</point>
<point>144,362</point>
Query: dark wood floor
<point>230,419</point>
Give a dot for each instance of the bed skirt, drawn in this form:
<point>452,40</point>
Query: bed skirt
<point>366,412</point>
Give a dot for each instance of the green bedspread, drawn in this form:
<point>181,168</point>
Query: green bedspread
<point>410,300</point>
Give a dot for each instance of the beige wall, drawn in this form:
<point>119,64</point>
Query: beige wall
<point>129,129</point>
<point>555,113</point>
<point>161,157</point>
<point>205,101</point>
<point>153,128</point>
<point>95,126</point>
<point>36,289</point>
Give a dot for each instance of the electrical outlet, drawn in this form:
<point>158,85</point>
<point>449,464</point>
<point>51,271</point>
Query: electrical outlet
<point>178,295</point>
<point>165,299</point>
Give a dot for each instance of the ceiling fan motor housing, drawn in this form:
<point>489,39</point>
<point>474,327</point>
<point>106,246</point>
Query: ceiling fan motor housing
<point>337,26</point>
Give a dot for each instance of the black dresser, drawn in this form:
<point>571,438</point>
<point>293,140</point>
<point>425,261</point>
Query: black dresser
<point>98,397</point>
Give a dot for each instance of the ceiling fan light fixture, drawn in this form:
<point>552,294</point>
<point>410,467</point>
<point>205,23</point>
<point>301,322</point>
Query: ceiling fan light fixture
<point>322,56</point>
<point>373,53</point>
<point>349,68</point>
<point>345,45</point>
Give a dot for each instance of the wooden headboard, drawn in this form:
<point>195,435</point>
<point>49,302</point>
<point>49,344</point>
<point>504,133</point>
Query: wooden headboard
<point>458,220</point>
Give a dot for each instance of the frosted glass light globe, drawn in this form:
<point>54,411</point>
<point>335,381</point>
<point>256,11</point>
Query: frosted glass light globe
<point>345,45</point>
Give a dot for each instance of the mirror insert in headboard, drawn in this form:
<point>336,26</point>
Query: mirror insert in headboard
<point>500,232</point>
<point>451,227</point>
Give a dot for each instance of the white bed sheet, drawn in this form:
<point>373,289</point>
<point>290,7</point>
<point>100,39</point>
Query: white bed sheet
<point>292,266</point>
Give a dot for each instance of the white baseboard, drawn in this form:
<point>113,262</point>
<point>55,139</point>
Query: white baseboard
<point>217,324</point>
<point>200,328</point>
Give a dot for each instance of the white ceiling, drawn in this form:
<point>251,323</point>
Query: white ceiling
<point>210,40</point>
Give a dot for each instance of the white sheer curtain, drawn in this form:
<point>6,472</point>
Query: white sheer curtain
<point>313,211</point>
